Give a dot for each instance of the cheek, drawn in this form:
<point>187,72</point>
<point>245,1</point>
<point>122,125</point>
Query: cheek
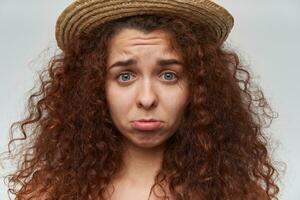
<point>178,98</point>
<point>118,102</point>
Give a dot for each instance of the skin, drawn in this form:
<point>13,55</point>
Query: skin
<point>145,90</point>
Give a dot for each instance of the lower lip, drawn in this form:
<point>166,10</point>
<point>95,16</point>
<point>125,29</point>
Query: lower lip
<point>146,126</point>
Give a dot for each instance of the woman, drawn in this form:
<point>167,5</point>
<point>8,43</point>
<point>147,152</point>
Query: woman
<point>144,102</point>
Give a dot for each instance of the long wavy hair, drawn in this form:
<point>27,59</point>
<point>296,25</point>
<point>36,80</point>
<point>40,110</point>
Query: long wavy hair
<point>73,149</point>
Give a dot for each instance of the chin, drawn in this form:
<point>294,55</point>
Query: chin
<point>148,145</point>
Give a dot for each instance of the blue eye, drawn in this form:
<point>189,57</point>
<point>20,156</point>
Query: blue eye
<point>126,76</point>
<point>170,74</point>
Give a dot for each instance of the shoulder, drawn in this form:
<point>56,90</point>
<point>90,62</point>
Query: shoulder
<point>257,192</point>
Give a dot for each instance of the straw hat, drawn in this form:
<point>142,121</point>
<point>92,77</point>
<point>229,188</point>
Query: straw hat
<point>84,15</point>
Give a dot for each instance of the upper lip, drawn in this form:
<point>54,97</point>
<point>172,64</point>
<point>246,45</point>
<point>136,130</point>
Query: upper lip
<point>148,120</point>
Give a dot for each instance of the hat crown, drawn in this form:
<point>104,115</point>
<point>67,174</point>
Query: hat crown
<point>84,15</point>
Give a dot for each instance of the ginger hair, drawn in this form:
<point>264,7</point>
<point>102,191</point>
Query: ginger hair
<point>220,150</point>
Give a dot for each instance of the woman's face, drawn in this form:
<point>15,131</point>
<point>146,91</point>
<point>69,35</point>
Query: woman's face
<point>145,80</point>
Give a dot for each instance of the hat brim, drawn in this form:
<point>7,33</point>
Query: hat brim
<point>84,15</point>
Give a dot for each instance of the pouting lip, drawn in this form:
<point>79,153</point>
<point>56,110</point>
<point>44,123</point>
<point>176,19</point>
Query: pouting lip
<point>148,120</point>
<point>146,125</point>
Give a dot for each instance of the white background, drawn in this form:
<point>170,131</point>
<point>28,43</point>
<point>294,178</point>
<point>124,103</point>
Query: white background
<point>266,35</point>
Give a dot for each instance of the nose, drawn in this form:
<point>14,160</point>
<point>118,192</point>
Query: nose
<point>147,96</point>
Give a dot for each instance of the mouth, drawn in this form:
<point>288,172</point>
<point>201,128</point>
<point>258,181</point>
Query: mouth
<point>148,120</point>
<point>149,125</point>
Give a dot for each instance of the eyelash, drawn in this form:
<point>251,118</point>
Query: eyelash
<point>119,75</point>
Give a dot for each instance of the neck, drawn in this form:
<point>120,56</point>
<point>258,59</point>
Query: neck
<point>140,165</point>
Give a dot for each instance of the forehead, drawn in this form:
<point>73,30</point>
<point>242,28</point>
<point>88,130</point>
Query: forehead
<point>128,33</point>
<point>128,41</point>
<point>128,38</point>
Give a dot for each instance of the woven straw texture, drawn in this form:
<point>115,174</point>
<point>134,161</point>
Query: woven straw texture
<point>84,15</point>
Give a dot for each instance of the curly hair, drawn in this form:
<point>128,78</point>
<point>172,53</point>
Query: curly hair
<point>219,151</point>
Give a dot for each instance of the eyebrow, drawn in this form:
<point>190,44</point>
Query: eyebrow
<point>161,62</point>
